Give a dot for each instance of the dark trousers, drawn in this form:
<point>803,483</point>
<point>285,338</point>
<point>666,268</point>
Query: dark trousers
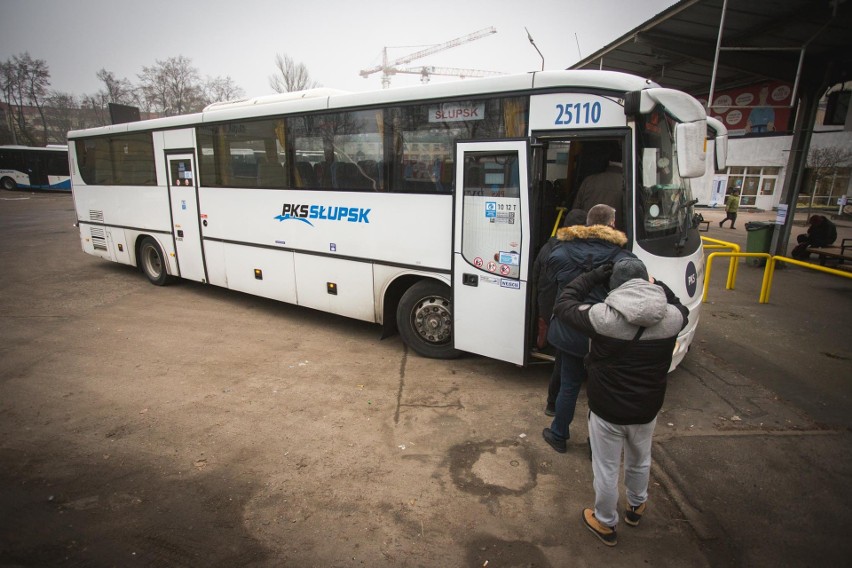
<point>573,373</point>
<point>555,380</point>
<point>729,216</point>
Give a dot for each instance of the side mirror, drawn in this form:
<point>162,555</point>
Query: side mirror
<point>721,153</point>
<point>720,135</point>
<point>691,140</point>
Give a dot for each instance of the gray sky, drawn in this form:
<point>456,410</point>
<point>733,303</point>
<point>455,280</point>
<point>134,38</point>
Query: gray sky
<point>333,38</point>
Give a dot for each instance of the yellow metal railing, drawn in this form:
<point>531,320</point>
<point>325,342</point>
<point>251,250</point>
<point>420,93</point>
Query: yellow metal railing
<point>770,266</point>
<point>732,267</point>
<point>559,215</point>
<point>734,259</point>
<point>768,271</point>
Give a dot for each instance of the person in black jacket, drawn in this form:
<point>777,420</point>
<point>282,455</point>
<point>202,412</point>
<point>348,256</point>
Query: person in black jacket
<point>821,233</point>
<point>545,298</point>
<point>633,334</point>
<point>579,249</point>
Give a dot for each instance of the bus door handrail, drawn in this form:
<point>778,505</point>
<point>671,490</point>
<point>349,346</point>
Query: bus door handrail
<point>560,213</point>
<point>733,266</point>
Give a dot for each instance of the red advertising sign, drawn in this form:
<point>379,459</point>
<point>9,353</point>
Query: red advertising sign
<point>762,107</point>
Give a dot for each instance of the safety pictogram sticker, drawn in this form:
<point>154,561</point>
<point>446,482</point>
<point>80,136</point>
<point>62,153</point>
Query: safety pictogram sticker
<point>492,266</point>
<point>505,269</point>
<point>478,262</point>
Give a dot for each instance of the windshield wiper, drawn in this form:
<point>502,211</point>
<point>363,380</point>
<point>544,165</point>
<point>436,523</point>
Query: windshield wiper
<point>684,236</point>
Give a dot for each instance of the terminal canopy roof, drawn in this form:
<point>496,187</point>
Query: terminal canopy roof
<point>677,48</point>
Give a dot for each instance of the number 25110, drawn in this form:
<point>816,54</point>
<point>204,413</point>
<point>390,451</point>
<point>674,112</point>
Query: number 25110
<point>578,114</point>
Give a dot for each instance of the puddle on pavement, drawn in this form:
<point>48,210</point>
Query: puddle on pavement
<point>492,468</point>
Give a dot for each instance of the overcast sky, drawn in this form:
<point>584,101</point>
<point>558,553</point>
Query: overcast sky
<point>333,38</point>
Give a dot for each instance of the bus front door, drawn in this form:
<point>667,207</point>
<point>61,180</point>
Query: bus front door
<point>491,247</point>
<point>186,224</point>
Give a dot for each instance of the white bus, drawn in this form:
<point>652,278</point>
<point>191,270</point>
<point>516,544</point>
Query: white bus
<point>420,209</point>
<point>26,167</point>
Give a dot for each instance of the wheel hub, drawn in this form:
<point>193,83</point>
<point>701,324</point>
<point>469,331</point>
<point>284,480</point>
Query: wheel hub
<point>433,320</point>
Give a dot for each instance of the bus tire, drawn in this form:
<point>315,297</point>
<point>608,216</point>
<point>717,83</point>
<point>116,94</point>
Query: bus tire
<point>8,184</point>
<point>152,262</point>
<point>425,320</point>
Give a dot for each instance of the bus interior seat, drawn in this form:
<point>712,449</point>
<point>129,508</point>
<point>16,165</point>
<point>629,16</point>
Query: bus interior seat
<point>473,178</point>
<point>270,175</point>
<point>307,176</point>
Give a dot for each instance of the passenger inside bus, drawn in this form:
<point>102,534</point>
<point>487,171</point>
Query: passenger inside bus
<point>607,186</point>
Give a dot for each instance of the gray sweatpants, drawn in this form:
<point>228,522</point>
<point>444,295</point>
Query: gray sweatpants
<point>607,442</point>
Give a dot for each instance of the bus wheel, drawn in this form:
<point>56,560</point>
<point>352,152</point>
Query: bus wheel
<point>425,320</point>
<point>8,183</point>
<point>152,262</point>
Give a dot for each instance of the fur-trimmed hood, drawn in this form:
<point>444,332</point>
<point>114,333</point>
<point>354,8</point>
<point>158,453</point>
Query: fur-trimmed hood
<point>602,232</point>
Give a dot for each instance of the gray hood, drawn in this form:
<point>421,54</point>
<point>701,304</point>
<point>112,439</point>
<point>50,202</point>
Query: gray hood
<point>639,302</point>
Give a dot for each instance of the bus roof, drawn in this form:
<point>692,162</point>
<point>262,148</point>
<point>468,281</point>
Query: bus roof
<point>327,99</point>
<point>48,148</point>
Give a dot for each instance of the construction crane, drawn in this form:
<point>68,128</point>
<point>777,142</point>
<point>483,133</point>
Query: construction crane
<point>427,70</point>
<point>390,68</point>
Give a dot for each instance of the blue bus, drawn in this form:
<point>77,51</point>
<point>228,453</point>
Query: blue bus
<point>27,167</point>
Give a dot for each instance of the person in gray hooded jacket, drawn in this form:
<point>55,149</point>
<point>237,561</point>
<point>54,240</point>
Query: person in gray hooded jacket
<point>633,334</point>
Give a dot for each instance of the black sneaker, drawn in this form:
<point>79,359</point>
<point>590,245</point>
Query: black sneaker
<point>550,409</point>
<point>560,446</point>
<point>604,533</point>
<point>633,515</point>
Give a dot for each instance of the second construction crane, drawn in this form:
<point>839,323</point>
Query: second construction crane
<point>390,68</point>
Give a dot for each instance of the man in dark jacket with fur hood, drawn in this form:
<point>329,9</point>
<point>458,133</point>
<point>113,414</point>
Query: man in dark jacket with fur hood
<point>633,333</point>
<point>579,249</point>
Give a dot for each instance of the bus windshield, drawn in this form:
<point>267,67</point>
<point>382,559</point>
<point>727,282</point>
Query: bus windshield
<point>664,201</point>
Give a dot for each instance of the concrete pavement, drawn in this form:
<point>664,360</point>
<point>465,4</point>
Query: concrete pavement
<point>191,425</point>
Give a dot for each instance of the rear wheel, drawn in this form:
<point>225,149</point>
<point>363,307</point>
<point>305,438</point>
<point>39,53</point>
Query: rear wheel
<point>8,183</point>
<point>152,262</point>
<point>425,320</point>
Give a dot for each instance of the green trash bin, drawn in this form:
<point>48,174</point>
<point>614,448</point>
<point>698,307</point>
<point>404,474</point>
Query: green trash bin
<point>758,239</point>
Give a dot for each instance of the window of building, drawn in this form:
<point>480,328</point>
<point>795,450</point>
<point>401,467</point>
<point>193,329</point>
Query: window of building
<point>751,181</point>
<point>824,186</point>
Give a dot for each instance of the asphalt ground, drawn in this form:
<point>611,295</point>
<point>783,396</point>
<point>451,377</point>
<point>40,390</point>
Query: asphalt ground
<point>194,426</point>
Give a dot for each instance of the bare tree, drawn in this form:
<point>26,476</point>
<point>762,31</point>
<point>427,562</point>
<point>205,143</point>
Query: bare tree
<point>95,107</point>
<point>172,87</point>
<point>291,76</point>
<point>219,89</point>
<point>23,83</point>
<point>119,91</point>
<point>63,114</point>
<point>822,164</point>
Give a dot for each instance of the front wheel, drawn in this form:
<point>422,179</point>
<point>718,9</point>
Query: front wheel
<point>152,262</point>
<point>8,184</point>
<point>425,320</point>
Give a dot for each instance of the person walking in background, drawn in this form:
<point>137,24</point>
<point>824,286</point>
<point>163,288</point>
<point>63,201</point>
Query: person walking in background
<point>633,334</point>
<point>732,205</point>
<point>581,248</point>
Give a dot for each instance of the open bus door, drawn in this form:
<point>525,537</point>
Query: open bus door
<point>183,196</point>
<point>491,248</point>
